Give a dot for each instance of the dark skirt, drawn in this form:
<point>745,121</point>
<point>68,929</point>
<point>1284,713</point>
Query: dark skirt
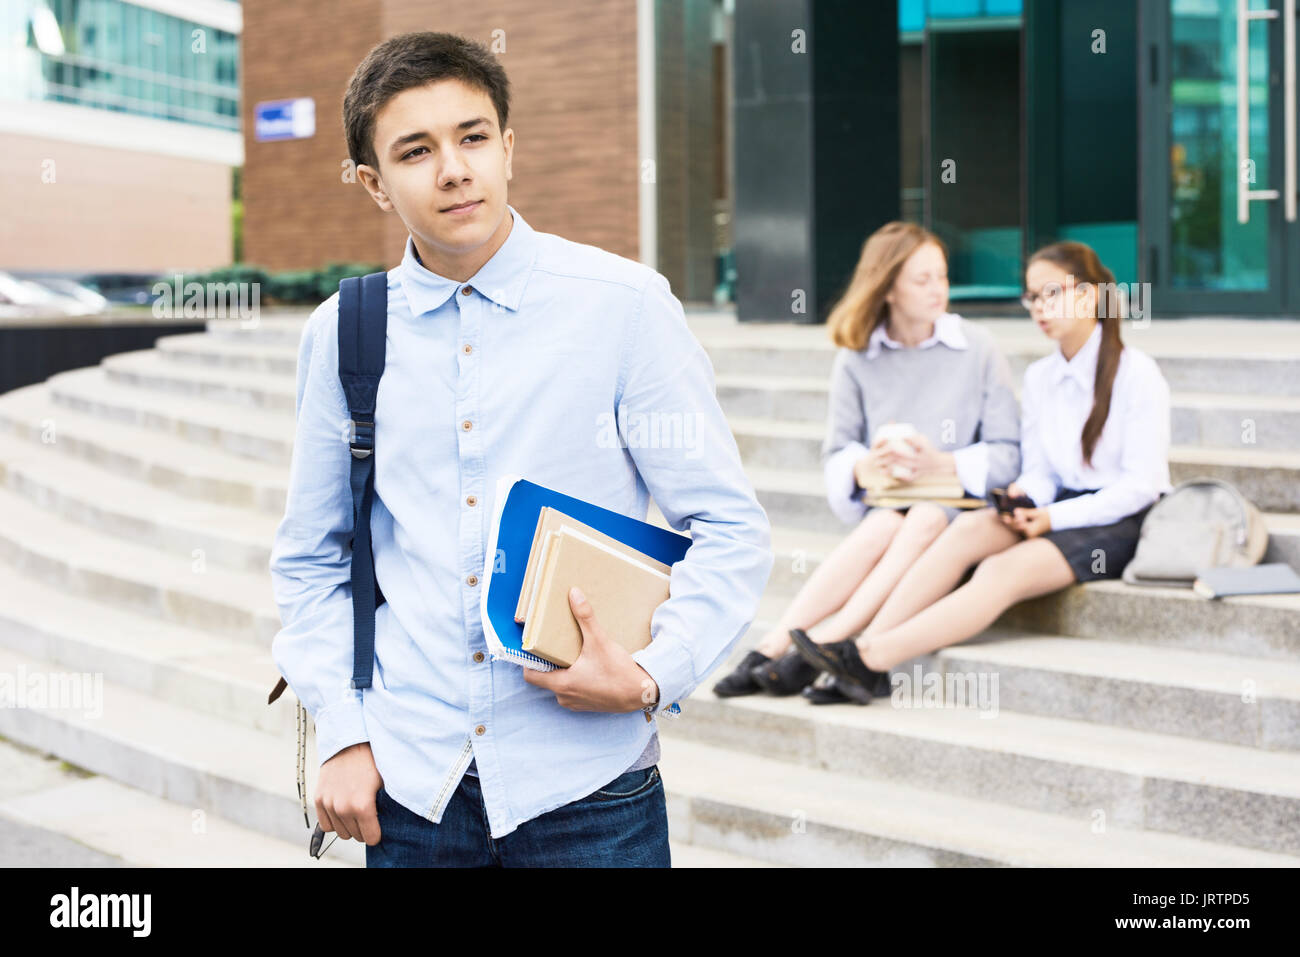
<point>1097,551</point>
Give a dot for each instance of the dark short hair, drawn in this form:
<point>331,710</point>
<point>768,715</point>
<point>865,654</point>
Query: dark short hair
<point>411,60</point>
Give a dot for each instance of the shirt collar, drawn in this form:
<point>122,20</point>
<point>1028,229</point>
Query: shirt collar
<point>501,279</point>
<point>1083,367</point>
<point>947,329</point>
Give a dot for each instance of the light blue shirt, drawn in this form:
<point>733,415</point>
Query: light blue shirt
<point>569,366</point>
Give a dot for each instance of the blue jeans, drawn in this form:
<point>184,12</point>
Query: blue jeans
<point>624,824</point>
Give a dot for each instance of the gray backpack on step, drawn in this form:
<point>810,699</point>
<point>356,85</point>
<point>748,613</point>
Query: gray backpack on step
<point>1203,523</point>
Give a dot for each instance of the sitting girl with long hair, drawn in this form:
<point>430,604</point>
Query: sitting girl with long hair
<point>902,359</point>
<point>1095,446</point>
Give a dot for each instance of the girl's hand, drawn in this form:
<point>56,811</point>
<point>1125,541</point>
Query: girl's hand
<point>867,470</point>
<point>1014,490</point>
<point>1030,522</point>
<point>925,457</point>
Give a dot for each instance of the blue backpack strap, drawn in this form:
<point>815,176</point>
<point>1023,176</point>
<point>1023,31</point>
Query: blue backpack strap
<point>363,329</point>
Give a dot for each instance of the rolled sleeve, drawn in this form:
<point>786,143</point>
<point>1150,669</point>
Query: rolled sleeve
<point>310,562</point>
<point>972,464</point>
<point>999,428</point>
<point>1144,460</point>
<point>1036,477</point>
<point>846,430</point>
<point>698,485</point>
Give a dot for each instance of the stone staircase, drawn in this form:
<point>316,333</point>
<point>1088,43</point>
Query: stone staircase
<point>1134,726</point>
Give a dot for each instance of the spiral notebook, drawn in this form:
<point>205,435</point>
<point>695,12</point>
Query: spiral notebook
<point>518,507</point>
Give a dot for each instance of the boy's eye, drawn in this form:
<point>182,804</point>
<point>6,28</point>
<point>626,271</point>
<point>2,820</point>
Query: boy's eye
<point>472,136</point>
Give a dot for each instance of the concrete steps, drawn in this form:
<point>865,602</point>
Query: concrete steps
<point>1270,479</point>
<point>150,369</point>
<point>814,816</point>
<point>1134,726</point>
<point>1189,362</point>
<point>81,562</point>
<point>1205,695</point>
<point>266,436</point>
<point>142,830</point>
<point>1196,418</point>
<point>245,776</point>
<point>155,458</point>
<point>82,492</point>
<point>1137,779</point>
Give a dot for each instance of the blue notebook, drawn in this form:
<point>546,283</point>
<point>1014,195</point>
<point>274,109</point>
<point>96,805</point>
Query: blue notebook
<point>519,504</point>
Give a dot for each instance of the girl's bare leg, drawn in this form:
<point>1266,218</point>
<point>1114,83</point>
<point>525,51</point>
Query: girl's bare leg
<point>834,579</point>
<point>1025,570</point>
<point>922,526</point>
<point>972,537</point>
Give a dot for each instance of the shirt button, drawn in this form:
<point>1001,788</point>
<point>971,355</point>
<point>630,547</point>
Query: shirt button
<point>480,730</point>
<point>465,291</point>
<point>467,349</point>
<point>467,425</point>
<point>472,580</point>
<point>478,656</point>
<point>471,500</point>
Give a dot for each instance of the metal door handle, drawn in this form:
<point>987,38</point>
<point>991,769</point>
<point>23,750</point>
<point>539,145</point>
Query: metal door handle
<point>1289,104</point>
<point>1244,193</point>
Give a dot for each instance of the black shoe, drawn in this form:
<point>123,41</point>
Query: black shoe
<point>784,676</point>
<point>841,659</point>
<point>740,681</point>
<point>828,689</point>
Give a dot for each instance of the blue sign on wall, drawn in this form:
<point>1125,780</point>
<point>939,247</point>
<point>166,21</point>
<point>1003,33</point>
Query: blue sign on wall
<point>284,119</point>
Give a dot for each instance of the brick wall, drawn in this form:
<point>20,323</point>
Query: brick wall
<point>572,68</point>
<point>298,212</point>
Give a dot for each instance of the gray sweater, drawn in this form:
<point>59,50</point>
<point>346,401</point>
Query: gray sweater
<point>956,389</point>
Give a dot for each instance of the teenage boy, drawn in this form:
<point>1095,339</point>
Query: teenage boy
<point>508,351</point>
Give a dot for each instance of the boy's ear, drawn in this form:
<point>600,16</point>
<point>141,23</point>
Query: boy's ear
<point>369,177</point>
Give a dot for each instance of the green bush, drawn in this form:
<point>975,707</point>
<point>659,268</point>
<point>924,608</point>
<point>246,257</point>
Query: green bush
<point>298,287</point>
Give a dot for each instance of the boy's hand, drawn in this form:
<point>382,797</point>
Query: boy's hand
<point>604,678</point>
<point>345,795</point>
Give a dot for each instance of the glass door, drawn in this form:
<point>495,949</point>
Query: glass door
<point>1219,156</point>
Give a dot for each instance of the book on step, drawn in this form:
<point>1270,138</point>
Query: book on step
<point>1274,578</point>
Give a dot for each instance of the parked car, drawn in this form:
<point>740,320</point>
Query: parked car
<point>74,290</point>
<point>28,298</point>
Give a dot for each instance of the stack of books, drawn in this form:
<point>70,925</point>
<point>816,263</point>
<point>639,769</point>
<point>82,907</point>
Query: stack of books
<point>541,544</point>
<point>938,487</point>
<point>623,585</point>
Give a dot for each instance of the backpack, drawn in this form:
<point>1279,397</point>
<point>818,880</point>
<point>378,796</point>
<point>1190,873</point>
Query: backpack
<point>362,330</point>
<point>1203,523</point>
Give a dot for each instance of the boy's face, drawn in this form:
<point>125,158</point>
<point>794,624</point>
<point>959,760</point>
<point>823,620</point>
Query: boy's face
<point>430,162</point>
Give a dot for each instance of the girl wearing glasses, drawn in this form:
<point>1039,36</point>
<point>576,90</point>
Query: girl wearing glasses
<point>1094,445</point>
<point>902,359</point>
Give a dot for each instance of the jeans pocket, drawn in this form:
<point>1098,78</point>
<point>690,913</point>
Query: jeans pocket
<point>629,784</point>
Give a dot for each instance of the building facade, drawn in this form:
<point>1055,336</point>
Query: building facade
<point>119,132</point>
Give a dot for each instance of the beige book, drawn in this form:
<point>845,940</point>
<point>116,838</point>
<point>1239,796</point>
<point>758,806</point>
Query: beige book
<point>549,520</point>
<point>885,501</point>
<point>623,591</point>
<point>932,485</point>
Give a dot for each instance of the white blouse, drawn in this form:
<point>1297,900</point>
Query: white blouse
<point>1130,463</point>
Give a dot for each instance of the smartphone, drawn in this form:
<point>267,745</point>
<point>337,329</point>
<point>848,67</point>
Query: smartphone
<point>1006,504</point>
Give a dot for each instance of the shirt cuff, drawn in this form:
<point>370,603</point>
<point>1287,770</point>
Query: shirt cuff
<point>1071,513</point>
<point>1040,488</point>
<point>842,486</point>
<point>668,661</point>
<point>339,726</point>
<point>973,468</point>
